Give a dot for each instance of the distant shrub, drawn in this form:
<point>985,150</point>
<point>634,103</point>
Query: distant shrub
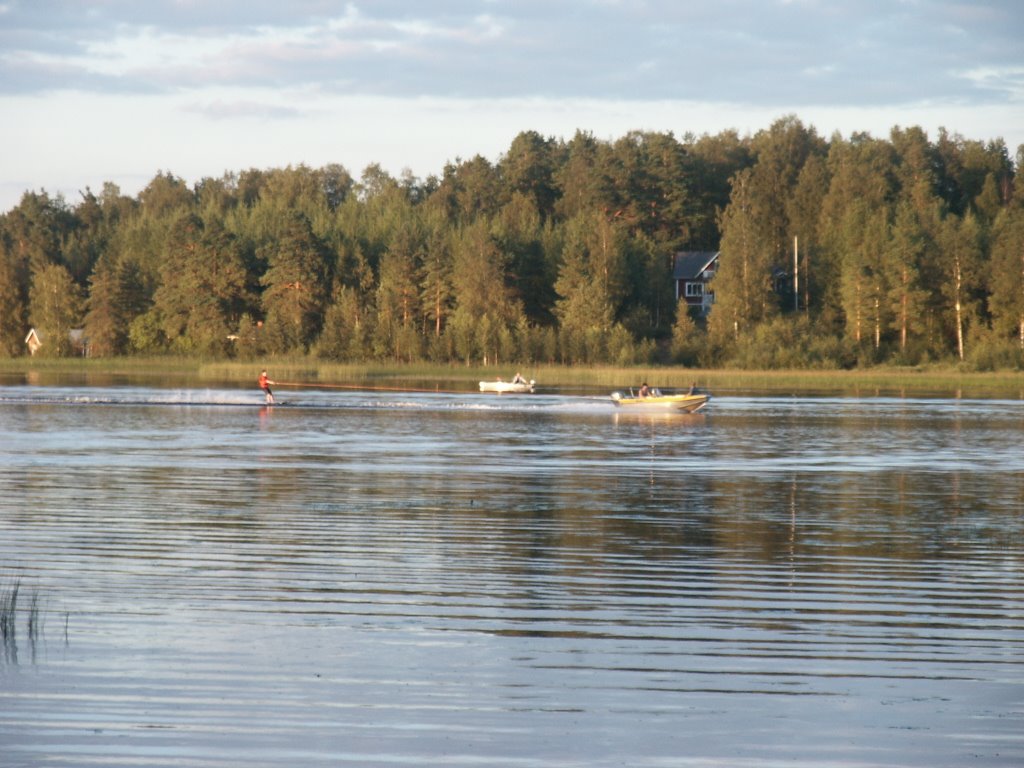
<point>688,340</point>
<point>991,353</point>
<point>788,342</point>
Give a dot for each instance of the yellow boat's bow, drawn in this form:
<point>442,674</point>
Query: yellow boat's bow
<point>688,403</point>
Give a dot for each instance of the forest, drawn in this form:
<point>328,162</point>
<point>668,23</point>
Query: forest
<point>908,250</point>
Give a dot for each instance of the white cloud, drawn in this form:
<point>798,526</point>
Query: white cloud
<point>119,90</point>
<point>1005,80</point>
<point>566,49</point>
<point>220,109</point>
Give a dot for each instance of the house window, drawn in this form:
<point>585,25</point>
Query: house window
<point>694,290</point>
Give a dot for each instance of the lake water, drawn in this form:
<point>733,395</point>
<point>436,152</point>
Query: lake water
<point>442,579</point>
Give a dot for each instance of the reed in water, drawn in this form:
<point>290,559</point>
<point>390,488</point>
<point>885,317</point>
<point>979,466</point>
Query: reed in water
<point>9,620</point>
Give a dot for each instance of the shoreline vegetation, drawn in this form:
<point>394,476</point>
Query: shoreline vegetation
<point>938,380</point>
<point>781,250</point>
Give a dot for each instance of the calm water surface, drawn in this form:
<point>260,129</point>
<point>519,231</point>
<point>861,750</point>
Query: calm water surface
<point>390,579</point>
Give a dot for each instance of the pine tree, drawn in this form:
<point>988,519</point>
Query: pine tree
<point>106,328</point>
<point>960,262</point>
<point>528,170</point>
<point>397,297</point>
<point>518,232</point>
<point>864,276</point>
<point>744,295</point>
<point>687,340</point>
<point>479,280</point>
<point>224,279</point>
<point>56,308</point>
<point>590,285</point>
<point>347,328</point>
<point>803,210</point>
<point>1006,275</point>
<point>435,277</point>
<point>13,294</point>
<point>905,253</point>
<point>295,286</point>
<point>179,293</point>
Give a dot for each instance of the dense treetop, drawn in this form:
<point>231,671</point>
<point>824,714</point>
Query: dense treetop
<point>834,253</point>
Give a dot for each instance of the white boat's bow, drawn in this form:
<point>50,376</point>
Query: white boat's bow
<point>505,387</point>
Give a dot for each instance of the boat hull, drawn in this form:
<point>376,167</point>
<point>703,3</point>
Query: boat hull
<point>661,403</point>
<point>506,387</point>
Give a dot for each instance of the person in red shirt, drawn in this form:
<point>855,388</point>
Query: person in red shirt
<point>265,383</point>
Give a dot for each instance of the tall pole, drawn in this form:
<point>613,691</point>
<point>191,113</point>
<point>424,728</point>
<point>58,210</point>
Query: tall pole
<point>807,283</point>
<point>796,275</point>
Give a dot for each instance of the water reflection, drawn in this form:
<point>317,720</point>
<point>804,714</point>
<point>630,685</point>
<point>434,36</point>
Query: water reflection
<point>443,579</point>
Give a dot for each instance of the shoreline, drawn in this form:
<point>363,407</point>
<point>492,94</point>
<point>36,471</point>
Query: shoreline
<point>883,381</point>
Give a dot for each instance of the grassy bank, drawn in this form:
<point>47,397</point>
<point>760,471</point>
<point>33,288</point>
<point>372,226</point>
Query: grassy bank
<point>875,381</point>
<point>947,381</point>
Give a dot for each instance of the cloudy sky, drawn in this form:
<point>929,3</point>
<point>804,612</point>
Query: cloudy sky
<point>117,90</point>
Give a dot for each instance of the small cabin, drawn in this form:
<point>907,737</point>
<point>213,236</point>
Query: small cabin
<point>33,341</point>
<point>692,271</point>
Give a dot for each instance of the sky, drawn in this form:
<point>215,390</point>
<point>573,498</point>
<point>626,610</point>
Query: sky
<point>95,91</point>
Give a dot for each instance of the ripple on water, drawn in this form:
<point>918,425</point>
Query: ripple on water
<point>431,579</point>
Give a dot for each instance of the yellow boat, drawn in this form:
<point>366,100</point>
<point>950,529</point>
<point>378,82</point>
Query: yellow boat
<point>656,402</point>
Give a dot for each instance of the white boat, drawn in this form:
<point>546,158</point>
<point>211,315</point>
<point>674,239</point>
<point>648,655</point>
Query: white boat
<point>656,402</point>
<point>504,387</point>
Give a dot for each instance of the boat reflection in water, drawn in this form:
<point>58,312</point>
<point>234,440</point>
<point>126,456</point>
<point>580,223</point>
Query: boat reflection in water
<point>664,416</point>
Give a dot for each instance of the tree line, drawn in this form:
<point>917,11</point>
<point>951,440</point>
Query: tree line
<point>834,253</point>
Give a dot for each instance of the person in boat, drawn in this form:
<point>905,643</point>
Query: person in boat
<point>265,383</point>
<point>518,378</point>
<point>645,391</point>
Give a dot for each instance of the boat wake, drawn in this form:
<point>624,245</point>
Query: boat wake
<point>312,399</point>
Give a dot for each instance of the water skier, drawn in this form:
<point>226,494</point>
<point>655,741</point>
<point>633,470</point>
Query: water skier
<point>265,383</point>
